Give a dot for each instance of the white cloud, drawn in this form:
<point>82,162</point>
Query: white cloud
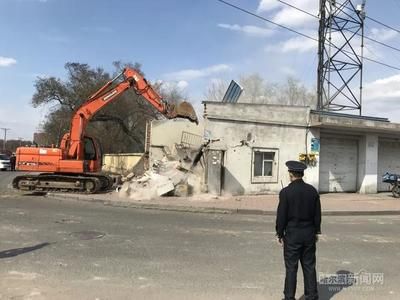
<point>382,34</point>
<point>182,84</point>
<point>299,44</point>
<point>7,61</point>
<point>168,86</point>
<point>289,16</point>
<point>296,44</point>
<point>267,5</point>
<point>302,45</point>
<point>191,74</point>
<point>381,98</point>
<point>249,30</point>
<point>387,89</point>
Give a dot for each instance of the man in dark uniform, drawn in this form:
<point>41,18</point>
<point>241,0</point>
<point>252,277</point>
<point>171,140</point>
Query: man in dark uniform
<point>298,223</point>
<point>12,161</point>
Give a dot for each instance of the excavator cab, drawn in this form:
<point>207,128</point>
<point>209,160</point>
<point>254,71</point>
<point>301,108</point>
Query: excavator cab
<point>92,154</point>
<point>89,148</point>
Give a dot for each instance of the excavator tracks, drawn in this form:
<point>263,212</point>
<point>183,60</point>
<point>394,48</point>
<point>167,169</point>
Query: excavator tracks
<point>63,183</point>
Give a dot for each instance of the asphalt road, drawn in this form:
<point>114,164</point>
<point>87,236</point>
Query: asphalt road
<point>52,249</point>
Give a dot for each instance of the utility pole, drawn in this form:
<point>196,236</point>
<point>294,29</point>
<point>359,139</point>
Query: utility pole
<point>321,92</point>
<point>5,137</point>
<point>340,51</point>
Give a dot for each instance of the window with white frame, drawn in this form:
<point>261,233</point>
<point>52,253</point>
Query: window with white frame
<point>265,163</point>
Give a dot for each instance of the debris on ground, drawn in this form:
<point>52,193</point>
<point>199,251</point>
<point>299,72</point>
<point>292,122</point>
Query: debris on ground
<point>165,178</point>
<point>179,174</point>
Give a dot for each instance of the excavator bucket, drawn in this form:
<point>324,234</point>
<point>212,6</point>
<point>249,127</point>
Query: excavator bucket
<point>185,110</point>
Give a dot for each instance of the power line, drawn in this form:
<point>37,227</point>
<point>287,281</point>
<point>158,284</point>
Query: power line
<point>358,34</point>
<point>380,43</point>
<point>380,63</point>
<point>383,24</point>
<point>298,8</point>
<point>376,56</point>
<point>267,20</point>
<point>380,23</point>
<point>303,34</point>
<point>314,16</point>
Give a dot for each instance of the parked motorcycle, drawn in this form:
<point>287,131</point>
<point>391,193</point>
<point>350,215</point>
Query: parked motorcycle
<point>394,181</point>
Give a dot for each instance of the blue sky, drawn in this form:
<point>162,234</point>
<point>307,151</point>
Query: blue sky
<point>190,42</point>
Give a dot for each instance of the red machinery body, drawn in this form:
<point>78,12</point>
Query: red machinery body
<point>43,159</point>
<point>73,166</point>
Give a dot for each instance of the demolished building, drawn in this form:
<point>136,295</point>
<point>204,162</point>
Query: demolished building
<point>173,148</point>
<point>252,142</point>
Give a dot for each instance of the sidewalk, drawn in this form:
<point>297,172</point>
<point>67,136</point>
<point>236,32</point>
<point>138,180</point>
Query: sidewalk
<point>332,204</point>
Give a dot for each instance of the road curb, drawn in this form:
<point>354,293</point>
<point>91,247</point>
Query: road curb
<point>219,210</point>
<point>178,208</point>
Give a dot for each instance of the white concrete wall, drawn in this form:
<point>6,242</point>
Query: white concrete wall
<point>286,129</point>
<point>120,162</point>
<point>378,146</point>
<point>362,147</point>
<point>368,164</point>
<point>274,127</point>
<point>167,133</point>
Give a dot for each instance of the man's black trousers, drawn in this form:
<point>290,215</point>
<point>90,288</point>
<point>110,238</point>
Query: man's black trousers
<point>299,245</point>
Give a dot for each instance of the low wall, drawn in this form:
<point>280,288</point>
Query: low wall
<point>121,162</point>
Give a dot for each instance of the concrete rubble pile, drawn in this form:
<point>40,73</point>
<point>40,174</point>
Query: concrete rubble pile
<point>165,178</point>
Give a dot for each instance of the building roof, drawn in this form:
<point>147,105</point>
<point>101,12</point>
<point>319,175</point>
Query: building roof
<point>346,122</point>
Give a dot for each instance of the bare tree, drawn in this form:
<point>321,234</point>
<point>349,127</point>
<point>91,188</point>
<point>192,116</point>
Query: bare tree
<point>253,88</point>
<point>216,90</point>
<point>293,92</point>
<point>120,126</point>
<point>258,90</point>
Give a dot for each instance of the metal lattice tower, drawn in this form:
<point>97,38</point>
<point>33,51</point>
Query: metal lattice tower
<point>340,50</point>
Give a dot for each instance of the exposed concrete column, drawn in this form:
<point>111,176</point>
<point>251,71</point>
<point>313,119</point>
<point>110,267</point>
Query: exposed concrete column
<point>369,165</point>
<point>312,172</point>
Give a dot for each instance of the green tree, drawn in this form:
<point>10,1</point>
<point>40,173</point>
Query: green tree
<point>120,126</point>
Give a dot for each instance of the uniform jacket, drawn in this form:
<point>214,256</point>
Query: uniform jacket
<point>299,207</point>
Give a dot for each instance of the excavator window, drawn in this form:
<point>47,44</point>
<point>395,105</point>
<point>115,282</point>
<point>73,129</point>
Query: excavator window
<point>90,150</point>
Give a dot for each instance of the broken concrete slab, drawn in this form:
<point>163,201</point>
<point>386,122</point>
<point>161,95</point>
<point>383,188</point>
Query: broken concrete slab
<point>165,188</point>
<point>130,176</point>
<point>182,190</point>
<point>163,179</point>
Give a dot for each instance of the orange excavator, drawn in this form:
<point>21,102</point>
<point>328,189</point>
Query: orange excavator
<point>75,166</point>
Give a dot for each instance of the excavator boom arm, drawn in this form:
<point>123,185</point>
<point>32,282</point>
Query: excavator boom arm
<point>73,141</point>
